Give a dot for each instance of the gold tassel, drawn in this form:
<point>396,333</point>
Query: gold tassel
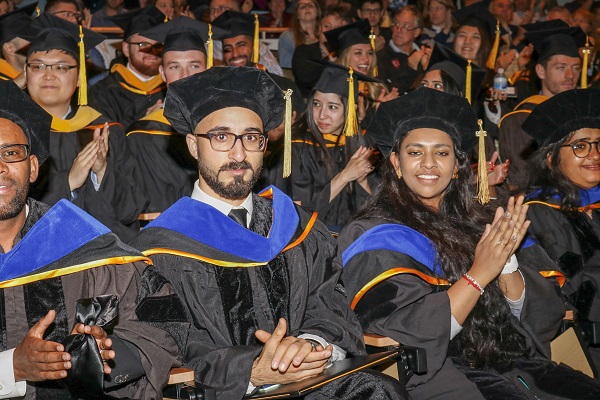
<point>468,82</point>
<point>38,11</point>
<point>584,67</point>
<point>483,190</point>
<point>82,100</point>
<point>491,61</point>
<point>209,48</point>
<point>287,138</point>
<point>166,19</point>
<point>256,48</point>
<point>372,37</point>
<point>351,125</point>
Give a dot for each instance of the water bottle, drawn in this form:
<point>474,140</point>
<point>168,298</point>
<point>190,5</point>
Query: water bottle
<point>500,81</point>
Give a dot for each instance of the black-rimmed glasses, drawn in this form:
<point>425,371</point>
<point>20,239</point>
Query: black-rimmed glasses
<point>583,148</point>
<point>12,153</point>
<point>225,141</point>
<point>59,69</point>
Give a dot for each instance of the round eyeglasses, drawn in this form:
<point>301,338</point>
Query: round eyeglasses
<point>583,148</point>
<point>225,141</point>
<point>12,153</point>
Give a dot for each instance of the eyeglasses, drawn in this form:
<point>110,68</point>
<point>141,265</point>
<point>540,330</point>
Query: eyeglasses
<point>583,148</point>
<point>304,6</point>
<point>220,9</point>
<point>404,27</point>
<point>68,14</point>
<point>225,141</point>
<point>371,11</point>
<point>146,47</point>
<point>58,69</point>
<point>12,153</point>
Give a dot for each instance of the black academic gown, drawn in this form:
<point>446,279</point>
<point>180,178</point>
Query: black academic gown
<point>398,292</point>
<point>122,97</point>
<point>394,71</point>
<point>105,266</point>
<point>307,73</point>
<point>234,282</point>
<point>572,240</point>
<point>121,196</point>
<point>311,185</point>
<point>168,169</point>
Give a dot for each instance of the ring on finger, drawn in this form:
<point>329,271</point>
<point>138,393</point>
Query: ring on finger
<point>499,243</point>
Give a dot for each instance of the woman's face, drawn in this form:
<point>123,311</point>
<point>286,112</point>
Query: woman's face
<point>328,112</point>
<point>360,57</point>
<point>467,42</point>
<point>328,23</point>
<point>433,80</point>
<point>427,162</point>
<point>307,11</point>
<point>583,172</point>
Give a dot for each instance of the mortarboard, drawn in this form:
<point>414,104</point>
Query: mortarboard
<point>348,35</point>
<point>545,25</point>
<point>179,34</point>
<point>11,23</point>
<point>139,20</point>
<point>35,122</point>
<point>235,23</point>
<point>563,114</point>
<point>563,41</point>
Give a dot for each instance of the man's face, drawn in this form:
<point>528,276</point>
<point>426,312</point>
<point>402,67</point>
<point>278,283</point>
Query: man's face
<point>114,4</point>
<point>218,7</point>
<point>328,23</point>
<point>237,51</point>
<point>561,73</point>
<point>438,13</point>
<point>66,11</point>
<point>277,7</point>
<point>51,88</point>
<point>404,29</point>
<point>227,175</point>
<point>181,64</point>
<point>14,177</point>
<point>144,63</point>
<point>502,9</point>
<point>371,11</point>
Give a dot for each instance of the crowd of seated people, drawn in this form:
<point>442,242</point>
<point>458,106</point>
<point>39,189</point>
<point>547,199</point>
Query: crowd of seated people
<point>179,189</point>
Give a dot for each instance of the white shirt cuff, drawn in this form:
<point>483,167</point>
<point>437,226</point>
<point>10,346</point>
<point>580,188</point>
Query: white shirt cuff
<point>516,306</point>
<point>94,179</point>
<point>455,327</point>
<point>337,354</point>
<point>8,387</point>
<point>251,388</point>
<point>493,117</point>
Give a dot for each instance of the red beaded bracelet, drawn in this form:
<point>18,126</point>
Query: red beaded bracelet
<point>473,283</point>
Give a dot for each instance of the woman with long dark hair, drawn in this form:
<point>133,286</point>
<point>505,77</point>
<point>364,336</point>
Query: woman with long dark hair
<point>564,196</point>
<point>331,160</point>
<point>428,266</point>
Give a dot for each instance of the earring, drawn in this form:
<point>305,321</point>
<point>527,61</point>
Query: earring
<point>399,173</point>
<point>455,174</point>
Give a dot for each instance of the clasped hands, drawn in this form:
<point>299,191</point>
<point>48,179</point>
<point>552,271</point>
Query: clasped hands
<point>286,359</point>
<point>36,359</point>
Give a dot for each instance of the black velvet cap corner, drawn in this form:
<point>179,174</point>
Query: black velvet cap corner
<point>11,23</point>
<point>348,35</point>
<point>138,20</point>
<point>35,122</point>
<point>444,59</point>
<point>334,79</point>
<point>561,41</point>
<point>234,23</point>
<point>562,114</point>
<point>48,32</point>
<point>424,108</point>
<point>179,34</point>
<point>191,99</point>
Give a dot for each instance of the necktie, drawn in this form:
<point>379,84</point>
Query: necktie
<point>239,215</point>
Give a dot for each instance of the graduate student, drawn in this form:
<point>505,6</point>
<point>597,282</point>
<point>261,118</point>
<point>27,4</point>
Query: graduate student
<point>90,163</point>
<point>255,271</point>
<point>53,258</point>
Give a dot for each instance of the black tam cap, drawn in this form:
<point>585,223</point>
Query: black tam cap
<point>35,122</point>
<point>191,99</point>
<point>561,41</point>
<point>348,35</point>
<point>563,114</point>
<point>334,79</point>
<point>179,34</point>
<point>444,59</point>
<point>11,23</point>
<point>234,23</point>
<point>424,108</point>
<point>48,32</point>
<point>139,20</point>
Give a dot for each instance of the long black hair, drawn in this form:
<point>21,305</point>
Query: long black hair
<point>488,338</point>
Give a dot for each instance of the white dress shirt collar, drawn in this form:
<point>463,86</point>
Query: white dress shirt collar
<point>222,206</point>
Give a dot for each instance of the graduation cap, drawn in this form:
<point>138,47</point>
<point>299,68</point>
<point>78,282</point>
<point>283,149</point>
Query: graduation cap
<point>341,80</point>
<point>235,23</point>
<point>139,20</point>
<point>11,23</point>
<point>564,41</point>
<point>467,75</point>
<point>179,34</point>
<point>562,114</point>
<point>545,25</point>
<point>53,33</point>
<point>341,38</point>
<point>35,122</point>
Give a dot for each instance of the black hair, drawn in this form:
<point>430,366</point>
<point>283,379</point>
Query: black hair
<point>363,2</point>
<point>450,85</point>
<point>50,4</point>
<point>488,338</point>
